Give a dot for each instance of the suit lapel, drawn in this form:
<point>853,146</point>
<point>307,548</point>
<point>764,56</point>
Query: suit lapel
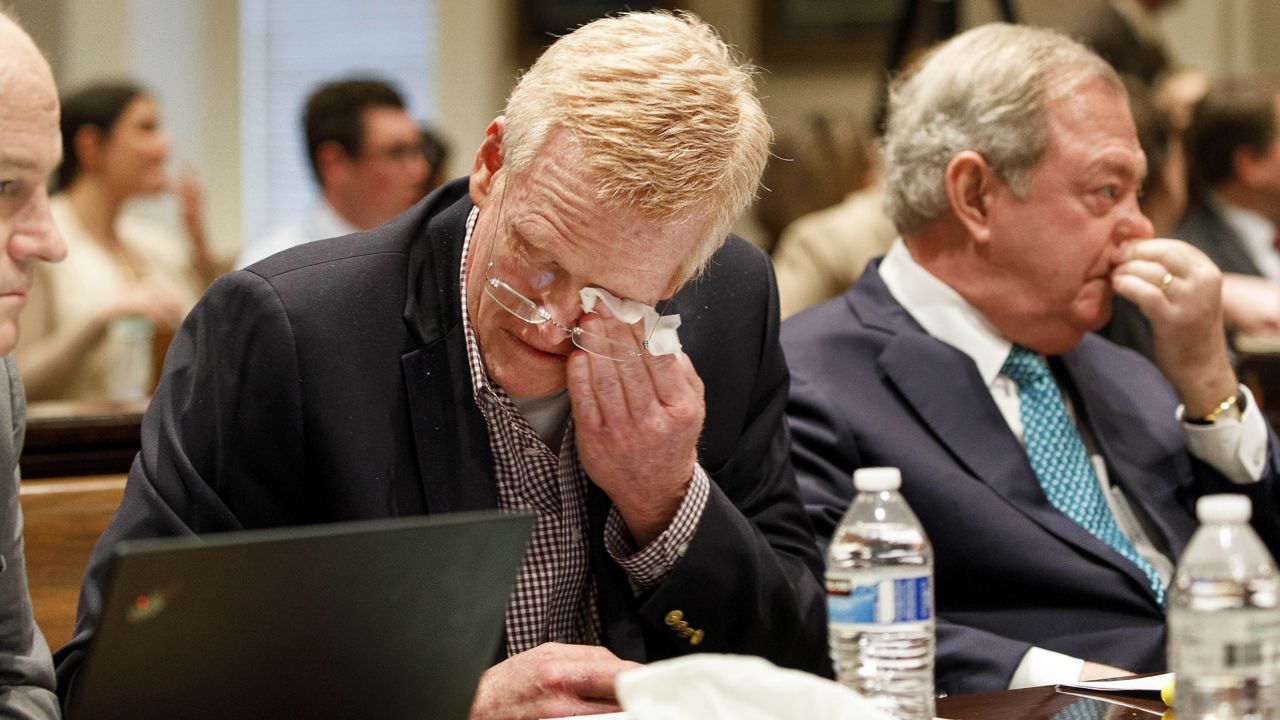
<point>942,386</point>
<point>1134,460</point>
<point>449,433</point>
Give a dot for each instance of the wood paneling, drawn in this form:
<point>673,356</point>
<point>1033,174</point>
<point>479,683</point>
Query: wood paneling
<point>64,518</point>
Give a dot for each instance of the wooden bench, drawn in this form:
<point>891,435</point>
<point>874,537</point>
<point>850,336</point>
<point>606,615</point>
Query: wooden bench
<point>63,518</point>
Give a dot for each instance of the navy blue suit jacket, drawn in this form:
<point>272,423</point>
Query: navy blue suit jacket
<point>330,382</point>
<point>870,387</point>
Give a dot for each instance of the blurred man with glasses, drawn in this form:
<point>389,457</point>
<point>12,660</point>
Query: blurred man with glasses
<point>473,354</point>
<point>366,156</point>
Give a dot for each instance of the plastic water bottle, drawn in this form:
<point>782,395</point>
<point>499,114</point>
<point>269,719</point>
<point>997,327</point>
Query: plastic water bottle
<point>1224,623</point>
<point>129,374</point>
<point>880,599</point>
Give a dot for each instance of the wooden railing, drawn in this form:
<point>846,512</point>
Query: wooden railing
<point>81,438</point>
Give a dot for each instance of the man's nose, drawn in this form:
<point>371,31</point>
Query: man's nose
<point>35,235</point>
<point>1135,223</point>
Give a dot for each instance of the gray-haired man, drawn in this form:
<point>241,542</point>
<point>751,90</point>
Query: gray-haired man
<point>1054,471</point>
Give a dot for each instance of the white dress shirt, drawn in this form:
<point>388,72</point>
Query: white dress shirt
<point>1235,447</point>
<point>1258,234</point>
<point>322,222</point>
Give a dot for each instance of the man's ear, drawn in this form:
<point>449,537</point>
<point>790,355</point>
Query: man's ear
<point>332,162</point>
<point>1248,166</point>
<point>970,183</point>
<point>487,163</point>
<point>87,145</point>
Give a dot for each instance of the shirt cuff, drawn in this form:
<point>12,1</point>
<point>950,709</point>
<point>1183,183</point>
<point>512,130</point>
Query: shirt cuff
<point>649,565</point>
<point>1234,446</point>
<point>1045,667</point>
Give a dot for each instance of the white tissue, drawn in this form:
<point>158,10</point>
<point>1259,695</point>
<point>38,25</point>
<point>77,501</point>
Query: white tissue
<point>707,686</point>
<point>660,329</point>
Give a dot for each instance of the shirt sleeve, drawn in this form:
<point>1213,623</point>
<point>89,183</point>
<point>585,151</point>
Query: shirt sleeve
<point>1235,446</point>
<point>1045,667</point>
<point>646,567</point>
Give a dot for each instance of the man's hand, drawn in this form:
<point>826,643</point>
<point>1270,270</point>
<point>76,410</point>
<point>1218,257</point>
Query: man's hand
<point>1180,291</point>
<point>551,680</point>
<point>1098,671</point>
<point>147,299</point>
<point>636,426</point>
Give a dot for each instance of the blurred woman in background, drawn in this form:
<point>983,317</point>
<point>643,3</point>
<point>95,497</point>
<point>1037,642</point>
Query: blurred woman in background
<point>88,329</point>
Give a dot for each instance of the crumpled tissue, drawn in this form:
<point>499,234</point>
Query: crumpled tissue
<point>707,686</point>
<point>660,329</point>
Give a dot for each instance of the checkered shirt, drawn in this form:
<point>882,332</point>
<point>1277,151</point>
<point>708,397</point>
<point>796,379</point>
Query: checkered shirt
<point>555,597</point>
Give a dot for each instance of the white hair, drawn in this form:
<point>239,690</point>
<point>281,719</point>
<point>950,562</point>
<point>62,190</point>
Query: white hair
<point>665,114</point>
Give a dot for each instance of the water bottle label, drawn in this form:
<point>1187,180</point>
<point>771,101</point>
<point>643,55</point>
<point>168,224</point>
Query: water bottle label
<point>897,600</point>
<point>1231,643</point>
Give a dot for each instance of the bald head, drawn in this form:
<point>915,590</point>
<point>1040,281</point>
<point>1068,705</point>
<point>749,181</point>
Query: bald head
<point>30,149</point>
<point>18,51</point>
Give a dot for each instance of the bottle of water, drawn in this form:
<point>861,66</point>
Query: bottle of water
<point>129,375</point>
<point>880,599</point>
<point>1224,623</point>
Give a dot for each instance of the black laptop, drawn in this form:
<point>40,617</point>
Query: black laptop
<point>380,619</point>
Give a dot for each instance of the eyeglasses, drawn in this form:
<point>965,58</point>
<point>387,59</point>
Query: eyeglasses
<point>516,303</point>
<point>397,154</point>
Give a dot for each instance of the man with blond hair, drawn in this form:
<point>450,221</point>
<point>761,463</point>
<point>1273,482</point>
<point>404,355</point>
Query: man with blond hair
<point>445,362</point>
<point>30,148</point>
<point>1054,472</point>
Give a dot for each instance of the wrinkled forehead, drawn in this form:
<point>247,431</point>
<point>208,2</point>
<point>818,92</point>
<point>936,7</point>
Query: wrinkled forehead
<point>1094,119</point>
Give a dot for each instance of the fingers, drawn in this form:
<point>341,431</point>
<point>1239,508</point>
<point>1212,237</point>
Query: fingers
<point>551,680</point>
<point>587,671</point>
<point>1166,276</point>
<point>1175,256</point>
<point>586,410</point>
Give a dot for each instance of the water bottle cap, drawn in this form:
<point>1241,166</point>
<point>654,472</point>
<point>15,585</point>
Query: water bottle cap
<point>1223,508</point>
<point>876,479</point>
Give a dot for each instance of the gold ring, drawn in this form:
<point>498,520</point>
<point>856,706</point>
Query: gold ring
<point>1166,281</point>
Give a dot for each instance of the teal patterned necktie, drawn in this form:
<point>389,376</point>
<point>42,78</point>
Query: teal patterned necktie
<point>1059,459</point>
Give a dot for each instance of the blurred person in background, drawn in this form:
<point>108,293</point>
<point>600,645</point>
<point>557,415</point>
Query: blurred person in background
<point>367,155</point>
<point>29,152</point>
<point>435,151</point>
<point>821,253</point>
<point>122,270</point>
<point>1127,34</point>
<point>1233,146</point>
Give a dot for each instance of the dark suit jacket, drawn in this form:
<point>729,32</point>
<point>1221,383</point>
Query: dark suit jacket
<point>330,382</point>
<point>1203,227</point>
<point>870,387</point>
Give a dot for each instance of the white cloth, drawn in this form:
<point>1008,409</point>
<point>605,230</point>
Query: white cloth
<point>659,329</point>
<point>707,686</point>
<point>1258,234</point>
<point>1237,448</point>
<point>322,222</point>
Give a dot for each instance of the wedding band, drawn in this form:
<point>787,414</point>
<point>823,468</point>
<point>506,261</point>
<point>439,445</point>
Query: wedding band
<point>1166,281</point>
